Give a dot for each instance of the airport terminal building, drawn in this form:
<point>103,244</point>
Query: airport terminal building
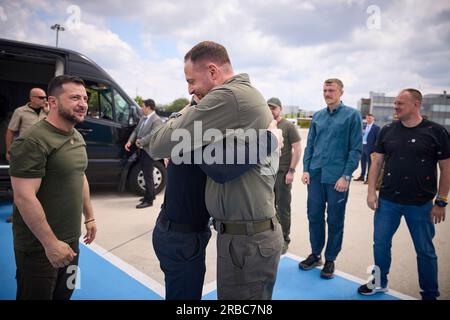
<point>435,106</point>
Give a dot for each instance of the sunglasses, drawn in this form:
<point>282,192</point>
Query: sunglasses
<point>40,97</point>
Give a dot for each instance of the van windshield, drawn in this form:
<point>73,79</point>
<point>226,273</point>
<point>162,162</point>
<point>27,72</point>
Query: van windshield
<point>107,103</point>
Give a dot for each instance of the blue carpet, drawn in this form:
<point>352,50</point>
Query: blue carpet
<point>295,284</point>
<point>99,279</point>
<point>7,264</point>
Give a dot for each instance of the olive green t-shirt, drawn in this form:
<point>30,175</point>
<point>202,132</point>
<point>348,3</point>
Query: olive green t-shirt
<point>59,159</point>
<point>290,136</point>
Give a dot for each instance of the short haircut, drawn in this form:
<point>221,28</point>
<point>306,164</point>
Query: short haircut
<point>335,80</point>
<point>208,51</point>
<point>415,94</point>
<point>369,115</point>
<point>55,84</point>
<point>150,103</point>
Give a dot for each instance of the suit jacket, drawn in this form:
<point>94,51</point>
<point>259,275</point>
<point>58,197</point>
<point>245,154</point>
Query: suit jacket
<point>144,133</point>
<point>372,138</point>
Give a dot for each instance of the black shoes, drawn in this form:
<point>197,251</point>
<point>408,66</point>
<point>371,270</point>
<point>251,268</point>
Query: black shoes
<point>369,289</point>
<point>144,204</point>
<point>311,262</point>
<point>359,179</point>
<point>328,270</point>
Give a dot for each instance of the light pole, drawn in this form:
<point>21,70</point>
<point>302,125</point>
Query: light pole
<point>58,28</point>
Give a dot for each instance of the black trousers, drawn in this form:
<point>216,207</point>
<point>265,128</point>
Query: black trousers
<point>182,259</point>
<point>38,280</point>
<point>366,161</point>
<point>146,163</point>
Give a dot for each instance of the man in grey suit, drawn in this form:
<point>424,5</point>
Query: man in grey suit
<point>141,137</point>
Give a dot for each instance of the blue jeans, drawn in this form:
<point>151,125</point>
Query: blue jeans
<point>321,195</point>
<point>182,259</point>
<point>386,221</point>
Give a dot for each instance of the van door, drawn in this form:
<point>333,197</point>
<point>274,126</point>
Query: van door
<point>105,130</point>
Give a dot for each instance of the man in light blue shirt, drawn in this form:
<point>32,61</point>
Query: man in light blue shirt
<point>369,142</point>
<point>332,153</point>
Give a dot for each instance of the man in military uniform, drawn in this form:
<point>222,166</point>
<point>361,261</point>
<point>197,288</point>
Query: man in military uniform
<point>249,240</point>
<point>24,117</point>
<point>289,158</point>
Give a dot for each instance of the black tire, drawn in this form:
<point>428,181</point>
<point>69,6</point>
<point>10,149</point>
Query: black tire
<point>136,181</point>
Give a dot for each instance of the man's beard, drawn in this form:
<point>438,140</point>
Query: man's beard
<point>67,116</point>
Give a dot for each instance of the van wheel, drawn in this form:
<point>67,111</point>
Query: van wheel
<point>136,181</point>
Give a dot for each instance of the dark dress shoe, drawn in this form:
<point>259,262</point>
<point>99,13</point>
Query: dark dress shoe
<point>143,199</point>
<point>144,205</point>
<point>359,179</point>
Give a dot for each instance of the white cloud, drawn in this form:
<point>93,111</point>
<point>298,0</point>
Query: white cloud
<point>288,47</point>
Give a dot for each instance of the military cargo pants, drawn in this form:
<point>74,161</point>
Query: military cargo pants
<point>247,264</point>
<point>283,204</point>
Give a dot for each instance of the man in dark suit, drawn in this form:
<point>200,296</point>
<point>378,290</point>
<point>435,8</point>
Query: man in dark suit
<point>141,137</point>
<point>370,134</point>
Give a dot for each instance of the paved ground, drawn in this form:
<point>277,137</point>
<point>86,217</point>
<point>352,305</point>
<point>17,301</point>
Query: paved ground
<point>126,232</point>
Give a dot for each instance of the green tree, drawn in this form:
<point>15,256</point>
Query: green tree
<point>139,100</point>
<point>177,105</point>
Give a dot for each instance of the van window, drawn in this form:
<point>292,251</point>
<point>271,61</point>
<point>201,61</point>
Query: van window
<point>100,101</point>
<point>122,108</point>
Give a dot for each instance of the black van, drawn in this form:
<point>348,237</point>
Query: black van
<point>111,117</point>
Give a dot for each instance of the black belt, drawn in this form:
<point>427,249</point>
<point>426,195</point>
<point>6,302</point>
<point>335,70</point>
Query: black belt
<point>183,227</point>
<point>244,228</point>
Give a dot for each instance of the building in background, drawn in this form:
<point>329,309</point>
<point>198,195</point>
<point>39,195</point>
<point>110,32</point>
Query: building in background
<point>435,106</point>
<point>364,107</point>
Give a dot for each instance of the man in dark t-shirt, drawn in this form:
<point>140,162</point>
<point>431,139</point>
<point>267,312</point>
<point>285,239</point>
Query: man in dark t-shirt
<point>289,158</point>
<point>48,164</point>
<point>411,149</point>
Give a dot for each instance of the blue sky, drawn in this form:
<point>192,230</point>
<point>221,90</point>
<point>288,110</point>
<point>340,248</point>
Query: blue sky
<point>287,46</point>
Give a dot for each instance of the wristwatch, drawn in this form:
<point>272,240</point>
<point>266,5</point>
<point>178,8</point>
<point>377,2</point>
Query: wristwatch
<point>347,178</point>
<point>440,203</point>
<point>291,170</point>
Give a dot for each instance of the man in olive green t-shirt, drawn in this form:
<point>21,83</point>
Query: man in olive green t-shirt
<point>48,164</point>
<point>289,158</point>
